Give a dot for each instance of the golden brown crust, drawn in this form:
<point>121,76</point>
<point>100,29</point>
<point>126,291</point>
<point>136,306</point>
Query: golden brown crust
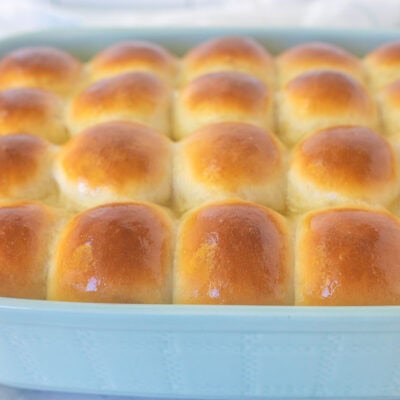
<point>33,111</point>
<point>21,158</point>
<point>136,96</point>
<point>233,253</point>
<point>386,55</point>
<point>351,160</point>
<point>26,230</point>
<point>40,67</point>
<point>324,93</point>
<point>231,154</point>
<point>348,257</point>
<point>241,54</point>
<point>119,155</point>
<point>317,55</point>
<point>220,91</point>
<point>116,253</point>
<point>134,56</point>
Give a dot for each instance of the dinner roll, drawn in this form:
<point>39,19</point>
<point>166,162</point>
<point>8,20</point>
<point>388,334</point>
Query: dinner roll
<point>34,111</point>
<point>41,67</point>
<point>231,53</point>
<point>115,253</point>
<point>26,231</point>
<point>348,257</point>
<point>134,56</point>
<point>383,65</point>
<point>317,55</point>
<point>136,96</point>
<point>233,252</point>
<point>320,99</point>
<point>222,96</point>
<point>339,165</point>
<point>389,104</point>
<point>25,167</point>
<point>115,161</point>
<point>226,160</point>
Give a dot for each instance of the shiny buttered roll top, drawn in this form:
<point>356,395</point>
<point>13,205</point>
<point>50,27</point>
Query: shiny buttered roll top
<point>230,160</point>
<point>41,67</point>
<point>26,167</point>
<point>227,96</point>
<point>27,232</point>
<point>233,253</point>
<point>320,99</point>
<point>115,161</point>
<point>383,65</point>
<point>134,96</point>
<point>134,55</point>
<point>341,165</point>
<point>116,253</point>
<point>317,55</point>
<point>33,111</point>
<point>231,53</point>
<point>348,257</point>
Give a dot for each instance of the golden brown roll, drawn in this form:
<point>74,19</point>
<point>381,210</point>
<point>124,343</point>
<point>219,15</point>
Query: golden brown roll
<point>383,65</point>
<point>317,55</point>
<point>135,96</point>
<point>134,56</point>
<point>342,165</point>
<point>348,257</point>
<point>233,252</point>
<point>115,161</point>
<point>26,231</point>
<point>231,53</point>
<point>34,111</point>
<point>41,67</point>
<point>222,97</point>
<point>25,167</point>
<point>389,104</point>
<point>320,99</point>
<point>227,160</point>
<point>115,253</point>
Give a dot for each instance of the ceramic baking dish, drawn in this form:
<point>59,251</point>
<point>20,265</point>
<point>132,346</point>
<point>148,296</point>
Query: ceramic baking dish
<point>200,351</point>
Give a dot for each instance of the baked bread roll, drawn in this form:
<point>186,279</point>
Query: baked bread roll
<point>320,99</point>
<point>25,167</point>
<point>115,253</point>
<point>115,161</point>
<point>342,165</point>
<point>134,55</point>
<point>317,55</point>
<point>389,104</point>
<point>41,67</point>
<point>231,53</point>
<point>233,253</point>
<point>33,111</point>
<point>222,97</point>
<point>228,160</point>
<point>26,231</point>
<point>348,257</point>
<point>135,96</point>
<point>383,65</point>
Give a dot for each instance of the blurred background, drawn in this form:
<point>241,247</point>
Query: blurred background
<point>28,15</point>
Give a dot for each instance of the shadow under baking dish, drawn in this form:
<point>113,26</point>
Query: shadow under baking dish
<point>200,351</point>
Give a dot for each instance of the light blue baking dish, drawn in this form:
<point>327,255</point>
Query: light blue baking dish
<point>200,351</point>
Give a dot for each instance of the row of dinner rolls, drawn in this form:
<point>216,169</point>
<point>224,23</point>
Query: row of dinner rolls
<point>48,92</point>
<point>230,252</point>
<point>126,161</point>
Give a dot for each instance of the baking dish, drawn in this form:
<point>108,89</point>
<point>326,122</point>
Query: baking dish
<point>200,351</point>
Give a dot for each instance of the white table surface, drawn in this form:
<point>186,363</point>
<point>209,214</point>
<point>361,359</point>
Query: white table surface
<point>18,16</point>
